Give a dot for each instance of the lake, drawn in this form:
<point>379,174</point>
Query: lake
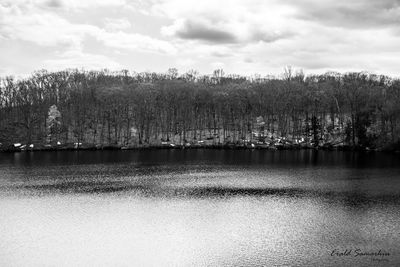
<point>199,208</point>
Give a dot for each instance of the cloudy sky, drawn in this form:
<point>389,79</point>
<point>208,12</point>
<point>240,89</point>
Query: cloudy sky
<point>240,36</point>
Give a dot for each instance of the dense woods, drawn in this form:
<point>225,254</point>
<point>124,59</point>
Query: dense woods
<point>103,108</point>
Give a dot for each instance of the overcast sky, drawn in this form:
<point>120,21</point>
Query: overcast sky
<point>240,36</point>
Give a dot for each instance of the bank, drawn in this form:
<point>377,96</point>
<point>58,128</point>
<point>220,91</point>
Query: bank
<point>234,146</point>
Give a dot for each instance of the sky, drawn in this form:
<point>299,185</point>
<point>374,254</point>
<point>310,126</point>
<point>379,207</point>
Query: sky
<point>240,36</point>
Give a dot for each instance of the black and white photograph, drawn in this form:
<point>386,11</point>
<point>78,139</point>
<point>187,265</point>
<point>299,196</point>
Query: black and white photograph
<point>206,133</point>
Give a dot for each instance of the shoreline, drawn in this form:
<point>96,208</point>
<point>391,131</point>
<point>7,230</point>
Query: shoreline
<point>194,147</point>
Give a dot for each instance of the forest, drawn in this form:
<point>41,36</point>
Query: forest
<point>100,109</point>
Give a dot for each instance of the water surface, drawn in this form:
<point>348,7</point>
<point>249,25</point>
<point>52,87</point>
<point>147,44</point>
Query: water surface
<point>199,208</point>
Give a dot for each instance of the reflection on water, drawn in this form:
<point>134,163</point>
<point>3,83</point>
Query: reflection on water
<point>198,208</point>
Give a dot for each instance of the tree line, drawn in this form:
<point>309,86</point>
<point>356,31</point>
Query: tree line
<point>138,109</point>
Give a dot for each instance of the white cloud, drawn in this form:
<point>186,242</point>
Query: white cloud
<point>232,21</point>
<point>45,29</point>
<point>49,29</point>
<point>185,62</point>
<point>134,41</point>
<point>74,4</point>
<point>242,36</point>
<point>93,3</point>
<point>79,59</point>
<point>350,14</point>
<point>117,24</point>
<point>313,35</point>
